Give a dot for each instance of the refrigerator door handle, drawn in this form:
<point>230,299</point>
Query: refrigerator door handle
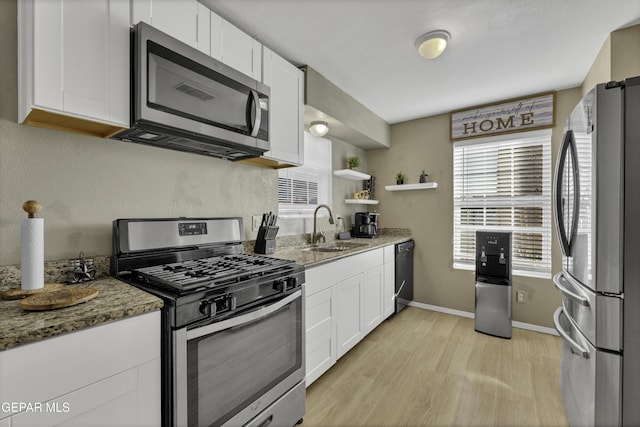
<point>575,347</point>
<point>568,147</point>
<point>557,281</point>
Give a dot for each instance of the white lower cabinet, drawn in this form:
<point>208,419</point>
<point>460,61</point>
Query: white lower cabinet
<point>344,302</point>
<point>320,321</point>
<point>107,375</point>
<point>371,299</point>
<point>350,318</point>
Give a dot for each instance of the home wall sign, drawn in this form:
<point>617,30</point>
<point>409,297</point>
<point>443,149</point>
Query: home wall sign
<point>513,115</point>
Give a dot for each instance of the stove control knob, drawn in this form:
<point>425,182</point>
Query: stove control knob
<point>280,285</point>
<point>205,307</point>
<point>208,307</point>
<point>292,282</point>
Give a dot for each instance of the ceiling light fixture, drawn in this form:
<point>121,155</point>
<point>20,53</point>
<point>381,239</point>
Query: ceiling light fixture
<point>432,44</point>
<point>319,128</point>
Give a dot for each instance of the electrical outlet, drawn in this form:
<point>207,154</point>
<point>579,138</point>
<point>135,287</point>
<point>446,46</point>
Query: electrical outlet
<point>520,296</point>
<point>255,222</point>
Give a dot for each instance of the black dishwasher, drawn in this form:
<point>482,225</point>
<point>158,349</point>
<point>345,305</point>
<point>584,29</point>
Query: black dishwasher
<point>404,275</point>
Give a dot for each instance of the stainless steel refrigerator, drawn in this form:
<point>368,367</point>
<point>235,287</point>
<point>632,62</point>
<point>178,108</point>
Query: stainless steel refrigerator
<point>597,215</point>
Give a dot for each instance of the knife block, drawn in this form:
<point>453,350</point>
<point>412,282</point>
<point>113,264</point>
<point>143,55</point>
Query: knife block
<point>266,240</point>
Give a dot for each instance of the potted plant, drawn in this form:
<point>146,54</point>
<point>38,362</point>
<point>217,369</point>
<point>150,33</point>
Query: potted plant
<point>400,178</point>
<point>353,162</point>
<point>424,177</point>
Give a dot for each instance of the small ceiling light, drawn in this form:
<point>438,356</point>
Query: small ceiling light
<point>319,128</point>
<point>432,44</point>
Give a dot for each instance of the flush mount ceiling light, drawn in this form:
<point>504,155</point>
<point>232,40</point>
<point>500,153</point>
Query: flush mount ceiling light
<point>432,44</point>
<point>319,128</point>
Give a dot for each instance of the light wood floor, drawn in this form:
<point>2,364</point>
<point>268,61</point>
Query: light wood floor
<point>422,368</point>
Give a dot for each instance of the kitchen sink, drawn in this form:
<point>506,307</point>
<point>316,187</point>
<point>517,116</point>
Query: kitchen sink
<point>335,247</point>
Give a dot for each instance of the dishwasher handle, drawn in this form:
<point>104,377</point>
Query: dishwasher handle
<point>395,296</point>
<point>405,246</point>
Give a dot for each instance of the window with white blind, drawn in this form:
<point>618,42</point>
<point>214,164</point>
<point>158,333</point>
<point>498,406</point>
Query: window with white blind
<point>504,184</point>
<point>301,189</point>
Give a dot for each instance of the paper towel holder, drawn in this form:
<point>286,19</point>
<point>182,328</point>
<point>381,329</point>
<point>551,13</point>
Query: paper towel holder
<point>32,207</point>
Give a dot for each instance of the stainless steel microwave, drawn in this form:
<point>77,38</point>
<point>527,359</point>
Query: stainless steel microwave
<point>182,99</point>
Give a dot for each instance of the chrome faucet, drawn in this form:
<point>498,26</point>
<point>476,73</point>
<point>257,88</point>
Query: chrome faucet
<point>315,218</point>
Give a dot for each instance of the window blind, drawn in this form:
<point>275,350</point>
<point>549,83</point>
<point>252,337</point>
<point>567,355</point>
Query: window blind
<point>302,188</point>
<point>504,185</point>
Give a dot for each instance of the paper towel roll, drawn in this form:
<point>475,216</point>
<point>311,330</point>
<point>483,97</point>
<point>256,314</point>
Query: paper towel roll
<point>32,239</point>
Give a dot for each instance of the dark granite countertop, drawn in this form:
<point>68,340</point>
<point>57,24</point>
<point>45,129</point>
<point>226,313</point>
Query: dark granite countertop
<point>116,300</point>
<point>292,250</point>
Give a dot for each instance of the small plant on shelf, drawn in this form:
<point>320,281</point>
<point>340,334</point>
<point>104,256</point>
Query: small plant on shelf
<point>400,178</point>
<point>353,162</point>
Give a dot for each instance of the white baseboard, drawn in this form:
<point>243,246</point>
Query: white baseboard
<point>519,325</point>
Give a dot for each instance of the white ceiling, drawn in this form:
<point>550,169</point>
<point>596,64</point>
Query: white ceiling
<point>499,49</point>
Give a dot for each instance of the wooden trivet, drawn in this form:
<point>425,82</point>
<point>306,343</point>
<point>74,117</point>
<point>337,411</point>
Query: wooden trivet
<point>58,299</point>
<point>23,293</point>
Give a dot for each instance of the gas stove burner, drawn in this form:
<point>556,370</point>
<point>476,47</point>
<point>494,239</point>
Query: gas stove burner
<point>209,272</point>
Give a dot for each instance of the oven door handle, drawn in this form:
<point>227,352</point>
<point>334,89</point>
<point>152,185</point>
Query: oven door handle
<point>243,319</point>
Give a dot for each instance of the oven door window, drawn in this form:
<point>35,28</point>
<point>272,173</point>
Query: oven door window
<point>231,368</point>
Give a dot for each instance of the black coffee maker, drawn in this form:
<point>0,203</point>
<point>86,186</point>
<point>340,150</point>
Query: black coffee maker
<point>365,224</point>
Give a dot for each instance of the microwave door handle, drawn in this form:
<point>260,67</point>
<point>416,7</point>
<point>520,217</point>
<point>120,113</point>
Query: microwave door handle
<point>254,113</point>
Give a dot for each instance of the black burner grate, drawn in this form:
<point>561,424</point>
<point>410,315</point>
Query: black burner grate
<point>211,271</point>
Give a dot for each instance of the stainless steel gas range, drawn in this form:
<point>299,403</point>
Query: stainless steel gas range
<point>232,324</point>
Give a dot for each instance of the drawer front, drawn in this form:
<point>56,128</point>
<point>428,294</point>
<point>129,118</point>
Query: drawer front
<point>80,358</point>
<point>590,379</point>
<point>356,264</point>
<point>319,308</point>
<point>319,278</point>
<point>599,317</point>
<point>110,402</point>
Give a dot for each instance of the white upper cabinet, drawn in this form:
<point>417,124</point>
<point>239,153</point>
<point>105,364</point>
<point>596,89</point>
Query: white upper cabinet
<point>73,64</point>
<point>286,112</point>
<point>204,29</point>
<point>235,48</point>
<point>185,20</point>
<point>178,18</point>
